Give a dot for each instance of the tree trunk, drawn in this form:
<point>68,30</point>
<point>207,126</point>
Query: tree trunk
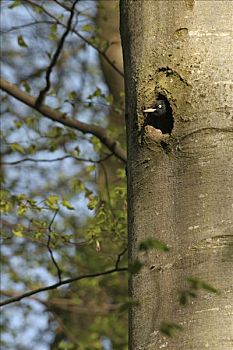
<point>180,181</point>
<point>107,22</point>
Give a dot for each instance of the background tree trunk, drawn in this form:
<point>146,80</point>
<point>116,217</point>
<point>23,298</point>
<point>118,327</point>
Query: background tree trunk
<point>107,23</point>
<point>107,28</point>
<point>180,186</point>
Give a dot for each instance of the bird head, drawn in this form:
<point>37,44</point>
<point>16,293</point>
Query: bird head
<point>158,108</point>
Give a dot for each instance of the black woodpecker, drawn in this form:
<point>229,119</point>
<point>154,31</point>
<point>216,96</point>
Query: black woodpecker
<point>159,116</point>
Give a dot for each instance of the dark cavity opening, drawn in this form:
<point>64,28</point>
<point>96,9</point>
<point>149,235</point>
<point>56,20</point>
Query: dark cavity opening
<point>161,118</point>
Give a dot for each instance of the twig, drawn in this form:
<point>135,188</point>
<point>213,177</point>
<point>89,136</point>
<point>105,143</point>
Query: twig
<point>67,8</point>
<point>107,187</point>
<point>102,53</point>
<point>56,160</point>
<point>62,118</point>
<point>61,283</point>
<point>68,304</point>
<point>118,260</point>
<point>55,57</point>
<point>41,8</point>
<point>13,28</point>
<point>59,271</point>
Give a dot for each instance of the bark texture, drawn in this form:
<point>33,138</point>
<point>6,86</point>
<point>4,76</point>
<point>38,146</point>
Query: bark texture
<point>180,186</point>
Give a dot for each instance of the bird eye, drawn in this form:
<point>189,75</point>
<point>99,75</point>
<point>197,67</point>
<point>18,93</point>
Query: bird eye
<point>160,106</point>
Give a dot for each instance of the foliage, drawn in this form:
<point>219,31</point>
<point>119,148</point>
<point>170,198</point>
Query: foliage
<point>170,329</point>
<point>195,285</point>
<point>152,243</point>
<point>56,218</point>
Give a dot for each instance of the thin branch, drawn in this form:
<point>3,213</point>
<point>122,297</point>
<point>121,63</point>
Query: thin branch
<point>107,187</point>
<point>67,8</point>
<point>62,118</point>
<point>40,160</point>
<point>59,271</point>
<point>61,283</point>
<point>101,52</point>
<point>118,260</point>
<point>56,160</point>
<point>33,4</point>
<point>68,304</point>
<point>26,25</point>
<point>43,242</point>
<point>54,59</point>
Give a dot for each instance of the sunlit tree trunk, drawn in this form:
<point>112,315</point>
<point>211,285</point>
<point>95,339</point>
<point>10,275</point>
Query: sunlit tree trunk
<point>180,185</point>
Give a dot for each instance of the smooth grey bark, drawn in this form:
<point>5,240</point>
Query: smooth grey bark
<point>180,186</point>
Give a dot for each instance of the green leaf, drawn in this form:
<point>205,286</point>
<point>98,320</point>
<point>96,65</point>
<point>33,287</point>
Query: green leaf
<point>72,95</point>
<point>87,28</point>
<point>170,329</point>
<point>32,202</point>
<point>152,243</point>
<point>135,267</point>
<point>39,235</point>
<point>120,191</point>
<point>52,37</point>
<point>15,4</point>
<point>53,28</point>
<point>183,298</point>
<point>208,288</point>
<point>37,9</point>
<point>90,168</point>
<point>96,93</point>
<point>185,295</point>
<point>30,121</point>
<point>21,197</point>
<point>52,202</point>
<point>77,185</point>
<point>55,131</point>
<point>93,201</point>
<point>17,147</point>
<point>21,41</point>
<point>110,99</point>
<point>26,86</point>
<point>67,204</point>
<point>121,173</point>
<point>96,144</point>
<point>53,32</point>
<point>31,149</point>
<point>18,231</point>
<point>22,209</point>
<point>197,283</point>
<point>5,206</point>
<point>18,124</point>
<point>88,192</point>
<point>128,304</point>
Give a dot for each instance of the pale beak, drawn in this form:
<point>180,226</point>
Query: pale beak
<point>149,110</point>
